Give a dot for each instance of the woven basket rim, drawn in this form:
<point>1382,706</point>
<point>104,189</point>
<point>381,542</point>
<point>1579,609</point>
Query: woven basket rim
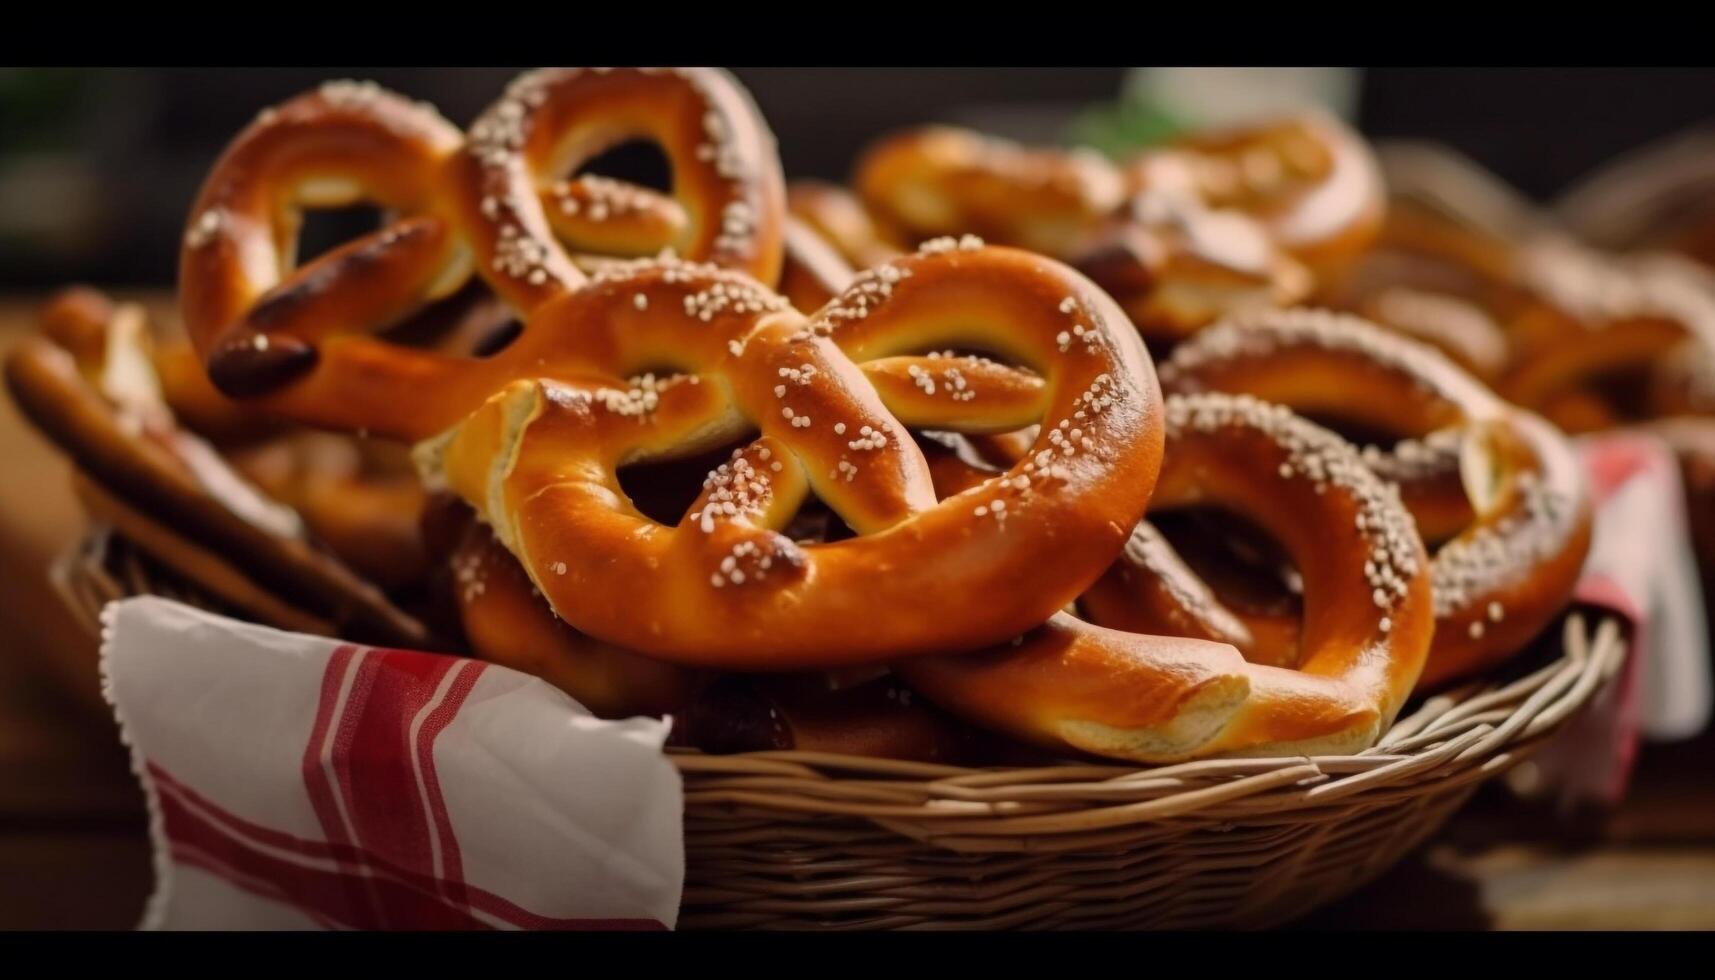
<point>1468,733</point>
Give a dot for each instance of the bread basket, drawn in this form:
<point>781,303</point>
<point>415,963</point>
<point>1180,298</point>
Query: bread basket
<point>797,840</point>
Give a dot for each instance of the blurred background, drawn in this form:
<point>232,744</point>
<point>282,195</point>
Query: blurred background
<point>97,166</point>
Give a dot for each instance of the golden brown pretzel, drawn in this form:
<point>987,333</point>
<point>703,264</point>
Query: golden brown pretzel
<point>360,498</point>
<point>1598,318</point>
<point>295,341</point>
<point>939,180</point>
<point>1503,484</point>
<point>1175,266</point>
<point>1172,262</point>
<point>726,174</point>
<point>1312,182</point>
<point>723,587</point>
<point>144,468</point>
<point>1148,698</point>
<point>506,621</point>
<point>253,313</point>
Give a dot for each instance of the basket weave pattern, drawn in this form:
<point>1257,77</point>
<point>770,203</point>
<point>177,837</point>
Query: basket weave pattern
<point>782,840</point>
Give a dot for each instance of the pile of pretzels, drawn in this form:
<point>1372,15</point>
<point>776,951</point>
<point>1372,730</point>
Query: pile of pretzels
<point>1002,454</point>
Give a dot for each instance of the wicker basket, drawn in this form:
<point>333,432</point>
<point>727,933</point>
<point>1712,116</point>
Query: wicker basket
<point>800,840</point>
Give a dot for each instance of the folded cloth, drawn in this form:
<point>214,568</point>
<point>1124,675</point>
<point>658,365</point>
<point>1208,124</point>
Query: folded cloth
<point>296,782</point>
<point>1642,569</point>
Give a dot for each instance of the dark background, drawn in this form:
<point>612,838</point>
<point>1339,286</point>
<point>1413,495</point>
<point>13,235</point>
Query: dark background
<point>97,166</point>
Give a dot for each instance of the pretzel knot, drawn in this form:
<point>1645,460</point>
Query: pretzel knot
<point>1497,487</point>
<point>299,339</point>
<point>666,359</point>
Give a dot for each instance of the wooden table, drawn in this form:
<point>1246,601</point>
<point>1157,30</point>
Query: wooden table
<point>73,851</point>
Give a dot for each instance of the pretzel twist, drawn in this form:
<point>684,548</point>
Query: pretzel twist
<point>939,180</point>
<point>1501,487</point>
<point>1160,698</point>
<point>297,341</point>
<point>724,587</point>
<point>1312,183</point>
<point>1174,263</point>
<point>1596,320</point>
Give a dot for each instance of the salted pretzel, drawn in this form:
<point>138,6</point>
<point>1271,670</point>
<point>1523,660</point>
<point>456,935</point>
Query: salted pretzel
<point>296,341</point>
<point>941,180</point>
<point>1175,266</point>
<point>1498,485</point>
<point>723,587</point>
<point>1599,323</point>
<point>1312,182</point>
<point>1174,263</point>
<point>360,498</point>
<point>88,385</point>
<point>1162,698</point>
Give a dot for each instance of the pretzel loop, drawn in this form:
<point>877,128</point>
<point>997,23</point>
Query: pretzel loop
<point>248,307</point>
<point>1160,698</point>
<point>1498,485</point>
<point>727,204</point>
<point>299,343</point>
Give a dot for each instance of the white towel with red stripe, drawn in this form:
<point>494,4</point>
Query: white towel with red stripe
<point>297,783</point>
<point>1642,569</point>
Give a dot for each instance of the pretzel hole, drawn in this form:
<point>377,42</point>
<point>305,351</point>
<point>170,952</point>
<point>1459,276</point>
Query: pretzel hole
<point>817,523</point>
<point>634,161</point>
<point>471,322</point>
<point>1625,389</point>
<point>1225,546</point>
<point>1358,432</point>
<point>664,490</point>
<point>1248,571</point>
<point>323,229</point>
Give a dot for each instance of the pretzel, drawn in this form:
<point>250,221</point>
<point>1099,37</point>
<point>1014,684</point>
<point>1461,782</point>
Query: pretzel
<point>1502,484</point>
<point>359,498</point>
<point>1173,263</point>
<point>1175,266</point>
<point>294,340</point>
<point>1599,319</point>
<point>1159,698</point>
<point>939,180</point>
<point>723,587</point>
<point>506,622</point>
<point>1310,180</point>
<point>726,174</point>
<point>1462,330</point>
<point>168,488</point>
<point>1153,588</point>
